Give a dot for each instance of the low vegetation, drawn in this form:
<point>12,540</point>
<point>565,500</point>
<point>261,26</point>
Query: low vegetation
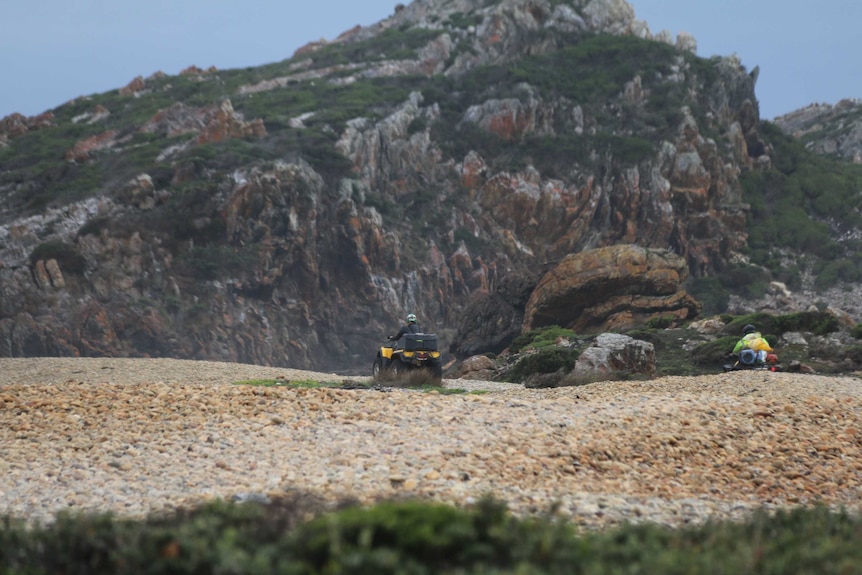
<point>542,337</point>
<point>422,537</point>
<point>65,254</point>
<point>808,205</point>
<point>419,380</point>
<point>545,357</point>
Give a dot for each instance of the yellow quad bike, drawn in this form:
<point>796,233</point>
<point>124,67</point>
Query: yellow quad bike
<point>418,351</point>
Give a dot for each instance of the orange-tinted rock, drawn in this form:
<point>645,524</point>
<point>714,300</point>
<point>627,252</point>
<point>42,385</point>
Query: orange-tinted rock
<point>15,124</point>
<point>225,123</point>
<point>612,288</point>
<point>310,47</point>
<point>84,149</point>
<point>133,87</point>
<point>191,71</point>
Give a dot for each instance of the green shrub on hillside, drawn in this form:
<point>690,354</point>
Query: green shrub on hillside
<point>600,67</point>
<point>801,203</point>
<point>595,69</point>
<point>94,226</point>
<point>816,322</point>
<point>67,257</point>
<point>829,273</point>
<point>390,44</point>
<point>713,353</point>
<point>212,261</point>
<point>710,292</point>
<point>660,322</point>
<point>550,359</point>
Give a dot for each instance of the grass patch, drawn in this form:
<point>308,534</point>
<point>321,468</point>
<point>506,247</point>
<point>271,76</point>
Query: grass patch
<point>541,337</point>
<point>263,382</point>
<point>415,380</point>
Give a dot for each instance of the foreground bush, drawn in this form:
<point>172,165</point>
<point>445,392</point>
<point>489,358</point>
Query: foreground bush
<point>417,538</point>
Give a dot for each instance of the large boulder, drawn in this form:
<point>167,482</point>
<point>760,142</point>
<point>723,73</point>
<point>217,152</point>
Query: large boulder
<point>479,367</point>
<point>616,353</point>
<point>611,289</point>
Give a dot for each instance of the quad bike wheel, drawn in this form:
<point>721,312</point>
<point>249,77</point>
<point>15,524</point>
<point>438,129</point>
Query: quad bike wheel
<point>375,369</point>
<point>381,366</point>
<point>436,372</point>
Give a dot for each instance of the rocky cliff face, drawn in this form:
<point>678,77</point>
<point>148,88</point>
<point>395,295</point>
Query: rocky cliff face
<point>454,151</point>
<point>834,130</point>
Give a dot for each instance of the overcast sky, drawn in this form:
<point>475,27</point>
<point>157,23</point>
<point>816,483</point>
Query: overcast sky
<point>54,50</point>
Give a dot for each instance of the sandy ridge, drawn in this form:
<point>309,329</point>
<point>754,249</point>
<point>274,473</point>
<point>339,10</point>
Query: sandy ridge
<point>142,435</point>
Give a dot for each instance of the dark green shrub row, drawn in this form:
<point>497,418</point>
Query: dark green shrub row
<point>419,538</point>
<point>599,66</point>
<point>546,360</point>
<point>816,322</point>
<point>391,44</point>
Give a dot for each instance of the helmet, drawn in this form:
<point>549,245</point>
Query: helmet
<point>411,318</point>
<point>749,329</point>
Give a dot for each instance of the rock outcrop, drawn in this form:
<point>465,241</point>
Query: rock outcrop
<point>15,125</point>
<point>210,124</point>
<point>834,130</point>
<point>84,150</point>
<point>614,353</point>
<point>614,288</point>
<point>136,86</point>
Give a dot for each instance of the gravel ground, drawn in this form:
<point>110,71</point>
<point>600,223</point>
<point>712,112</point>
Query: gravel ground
<point>137,436</point>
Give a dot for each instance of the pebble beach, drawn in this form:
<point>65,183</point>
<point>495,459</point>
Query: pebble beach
<point>143,436</point>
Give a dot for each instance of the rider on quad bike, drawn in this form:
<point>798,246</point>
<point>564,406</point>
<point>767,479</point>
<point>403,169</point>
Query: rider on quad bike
<point>417,351</point>
<point>411,327</point>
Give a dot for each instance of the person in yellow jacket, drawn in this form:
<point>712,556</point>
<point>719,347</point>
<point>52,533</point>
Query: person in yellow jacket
<point>752,348</point>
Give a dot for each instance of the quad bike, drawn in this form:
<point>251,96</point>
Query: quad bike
<point>419,351</point>
<point>748,359</point>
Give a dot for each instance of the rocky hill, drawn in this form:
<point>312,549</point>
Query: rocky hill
<point>828,129</point>
<point>484,164</point>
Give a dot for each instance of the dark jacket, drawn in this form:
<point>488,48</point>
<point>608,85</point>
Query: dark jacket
<point>409,328</point>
